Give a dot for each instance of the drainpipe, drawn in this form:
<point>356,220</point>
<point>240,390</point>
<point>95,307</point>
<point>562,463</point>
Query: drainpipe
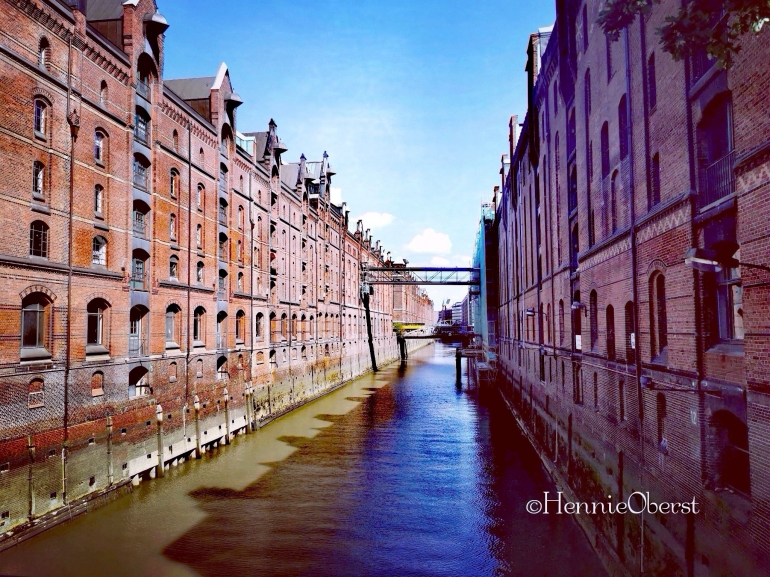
<point>197,407</point>
<point>159,418</point>
<point>74,123</point>
<point>251,310</point>
<point>227,416</point>
<point>634,284</point>
<point>190,260</point>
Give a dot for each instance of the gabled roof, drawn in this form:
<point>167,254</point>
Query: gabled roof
<point>192,88</point>
<point>104,10</point>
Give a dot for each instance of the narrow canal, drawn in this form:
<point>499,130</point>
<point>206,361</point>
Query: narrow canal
<point>395,474</point>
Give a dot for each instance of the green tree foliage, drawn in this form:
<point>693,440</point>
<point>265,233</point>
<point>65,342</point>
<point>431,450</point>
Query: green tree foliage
<point>713,25</point>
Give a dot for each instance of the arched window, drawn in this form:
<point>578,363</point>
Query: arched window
<point>201,157</point>
<point>137,333</point>
<point>273,358</point>
<point>594,318</point>
<point>623,127</point>
<point>44,53</point>
<point>561,322</point>
<point>38,239</point>
<point>172,226</point>
<point>139,270</point>
<point>99,146</point>
<point>199,197</point>
<point>38,180</point>
<point>240,281</point>
<point>199,272</point>
<point>258,328</point>
<point>173,184</point>
<point>577,323</point>
<point>239,250</point>
<point>172,326</point>
<point>222,247</point>
<point>141,172</point>
<point>658,320</point>
<point>103,93</point>
<point>199,368</point>
<point>41,118</point>
<point>199,332</point>
<point>605,144</point>
<point>172,369</point>
<point>222,285</point>
<point>630,336</point>
<point>729,452</point>
<point>99,201</point>
<point>240,217</point>
<point>34,314</point>
<point>199,236</point>
<point>35,393</point>
<point>173,267</point>
<point>138,383</point>
<point>587,95</point>
<point>97,384</point>
<point>175,140</point>
<point>284,326</point>
<point>610,333</point>
<point>240,327</point>
<point>99,251</point>
<point>96,337</point>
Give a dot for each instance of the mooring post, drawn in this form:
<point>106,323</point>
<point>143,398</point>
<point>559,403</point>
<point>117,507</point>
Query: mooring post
<point>365,298</point>
<point>197,406</point>
<point>159,419</point>
<point>30,485</point>
<point>459,365</point>
<point>227,416</point>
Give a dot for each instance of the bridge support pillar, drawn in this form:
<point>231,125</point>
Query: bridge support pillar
<point>459,365</point>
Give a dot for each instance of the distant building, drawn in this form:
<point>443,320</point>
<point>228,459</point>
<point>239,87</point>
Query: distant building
<point>457,313</point>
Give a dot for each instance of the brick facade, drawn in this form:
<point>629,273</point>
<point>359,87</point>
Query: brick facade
<point>161,261</point>
<point>632,371</point>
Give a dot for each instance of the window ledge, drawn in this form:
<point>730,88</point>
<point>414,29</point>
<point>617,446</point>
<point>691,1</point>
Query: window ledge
<point>97,392</point>
<point>171,345</point>
<point>40,136</point>
<point>35,354</point>
<point>97,350</point>
<point>101,225</point>
<point>99,162</point>
<point>41,208</point>
<point>728,349</point>
<point>199,344</point>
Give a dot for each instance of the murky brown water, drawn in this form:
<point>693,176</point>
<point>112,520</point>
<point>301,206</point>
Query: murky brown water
<point>396,474</point>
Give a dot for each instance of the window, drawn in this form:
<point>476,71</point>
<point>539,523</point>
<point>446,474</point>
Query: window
<point>34,310</point>
<point>596,392</point>
<point>199,196</point>
<point>605,144</point>
<point>97,384</point>
<point>99,200</point>
<point>141,125</point>
<point>614,201</point>
<point>99,251</point>
<point>43,53</point>
<point>175,140</point>
<point>172,368</point>
<point>623,127</point>
<point>96,311</point>
<point>41,118</point>
<point>587,95</point>
<point>610,333</point>
<point>141,171</point>
<point>594,317</point>
<point>577,323</point>
<point>35,394</point>
<point>222,247</point>
<point>38,239</point>
<point>38,179</point>
<point>651,81</point>
<point>199,236</point>
<point>137,331</point>
<point>240,217</point>
<point>621,401</point>
<point>655,180</point>
<point>173,184</point>
<point>630,335</point>
<point>103,93</point>
<point>561,322</point>
<point>172,312</point>
<point>555,97</point>
<point>258,328</point>
<point>199,272</point>
<point>138,385</point>
<point>660,406</point>
<point>99,146</point>
<point>201,157</point>
<point>658,323</point>
<point>198,326</point>
<point>239,250</point>
<point>173,267</point>
<point>240,281</point>
<point>240,327</point>
<point>729,300</point>
<point>172,226</point>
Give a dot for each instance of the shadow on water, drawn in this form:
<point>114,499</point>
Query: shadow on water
<point>419,479</point>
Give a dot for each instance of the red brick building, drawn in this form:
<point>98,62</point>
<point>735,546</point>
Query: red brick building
<point>631,370</point>
<point>168,279</point>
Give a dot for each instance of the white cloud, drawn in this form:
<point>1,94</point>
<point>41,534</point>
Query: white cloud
<point>439,261</point>
<point>335,195</point>
<point>462,260</point>
<point>375,220</point>
<point>430,241</point>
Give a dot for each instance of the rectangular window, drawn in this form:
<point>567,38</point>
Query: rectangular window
<point>652,88</point>
<point>655,180</point>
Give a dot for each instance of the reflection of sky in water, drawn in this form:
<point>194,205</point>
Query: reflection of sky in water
<point>414,479</point>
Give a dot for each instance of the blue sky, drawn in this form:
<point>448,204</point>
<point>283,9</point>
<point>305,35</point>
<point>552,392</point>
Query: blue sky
<point>410,99</point>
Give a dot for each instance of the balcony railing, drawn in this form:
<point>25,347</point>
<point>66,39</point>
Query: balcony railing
<point>136,346</point>
<point>140,176</point>
<point>138,281</point>
<point>140,227</point>
<point>717,180</point>
<point>143,88</point>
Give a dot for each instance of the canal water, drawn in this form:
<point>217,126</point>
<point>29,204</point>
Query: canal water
<point>396,474</point>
